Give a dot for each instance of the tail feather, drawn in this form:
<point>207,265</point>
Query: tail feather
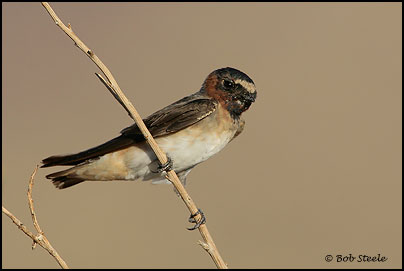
<point>66,178</point>
<point>115,144</point>
<point>65,182</point>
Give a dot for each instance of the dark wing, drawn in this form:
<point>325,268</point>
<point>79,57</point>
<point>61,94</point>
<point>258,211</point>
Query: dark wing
<point>174,117</point>
<point>115,144</point>
<point>170,119</point>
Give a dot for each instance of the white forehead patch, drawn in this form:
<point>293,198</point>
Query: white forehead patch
<point>247,85</point>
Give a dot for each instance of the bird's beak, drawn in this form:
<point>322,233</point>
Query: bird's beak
<point>248,98</point>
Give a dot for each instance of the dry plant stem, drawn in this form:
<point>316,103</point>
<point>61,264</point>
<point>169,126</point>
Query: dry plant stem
<point>113,87</point>
<point>40,238</point>
<point>31,201</point>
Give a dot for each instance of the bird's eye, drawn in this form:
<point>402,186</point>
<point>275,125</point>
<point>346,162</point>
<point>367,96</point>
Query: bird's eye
<point>228,84</point>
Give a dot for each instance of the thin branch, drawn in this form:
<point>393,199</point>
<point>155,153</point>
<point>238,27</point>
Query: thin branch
<point>18,223</point>
<point>31,202</point>
<point>114,88</point>
<point>39,238</point>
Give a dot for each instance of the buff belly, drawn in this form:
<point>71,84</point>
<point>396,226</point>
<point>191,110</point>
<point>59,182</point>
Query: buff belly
<point>186,149</point>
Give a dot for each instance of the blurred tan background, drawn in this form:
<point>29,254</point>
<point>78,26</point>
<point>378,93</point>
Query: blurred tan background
<point>316,172</point>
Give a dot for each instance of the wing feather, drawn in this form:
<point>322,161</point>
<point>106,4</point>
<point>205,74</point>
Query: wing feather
<point>175,117</point>
<point>170,119</point>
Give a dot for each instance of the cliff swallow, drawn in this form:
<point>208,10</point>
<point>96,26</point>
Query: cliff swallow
<point>189,131</point>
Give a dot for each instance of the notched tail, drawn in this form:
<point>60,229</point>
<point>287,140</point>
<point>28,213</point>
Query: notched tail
<point>65,178</point>
<point>68,177</point>
<point>65,182</point>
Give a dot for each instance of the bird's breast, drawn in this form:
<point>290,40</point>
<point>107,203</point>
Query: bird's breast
<point>200,141</point>
<point>186,148</point>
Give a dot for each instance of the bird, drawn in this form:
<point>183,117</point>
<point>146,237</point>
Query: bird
<point>189,131</point>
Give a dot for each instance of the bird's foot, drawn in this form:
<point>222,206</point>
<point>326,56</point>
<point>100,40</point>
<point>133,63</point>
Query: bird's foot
<point>201,221</point>
<point>167,166</point>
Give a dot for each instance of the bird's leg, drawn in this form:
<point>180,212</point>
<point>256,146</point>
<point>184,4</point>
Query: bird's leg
<point>167,166</point>
<point>192,219</point>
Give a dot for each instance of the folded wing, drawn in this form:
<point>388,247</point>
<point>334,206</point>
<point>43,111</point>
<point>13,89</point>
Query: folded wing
<point>170,119</point>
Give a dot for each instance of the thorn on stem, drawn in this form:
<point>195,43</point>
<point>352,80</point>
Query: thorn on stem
<point>204,245</point>
<point>38,238</point>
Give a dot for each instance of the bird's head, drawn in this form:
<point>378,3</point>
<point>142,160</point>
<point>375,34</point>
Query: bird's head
<point>232,88</point>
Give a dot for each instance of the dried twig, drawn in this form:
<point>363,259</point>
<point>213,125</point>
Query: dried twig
<point>114,88</point>
<point>40,237</point>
